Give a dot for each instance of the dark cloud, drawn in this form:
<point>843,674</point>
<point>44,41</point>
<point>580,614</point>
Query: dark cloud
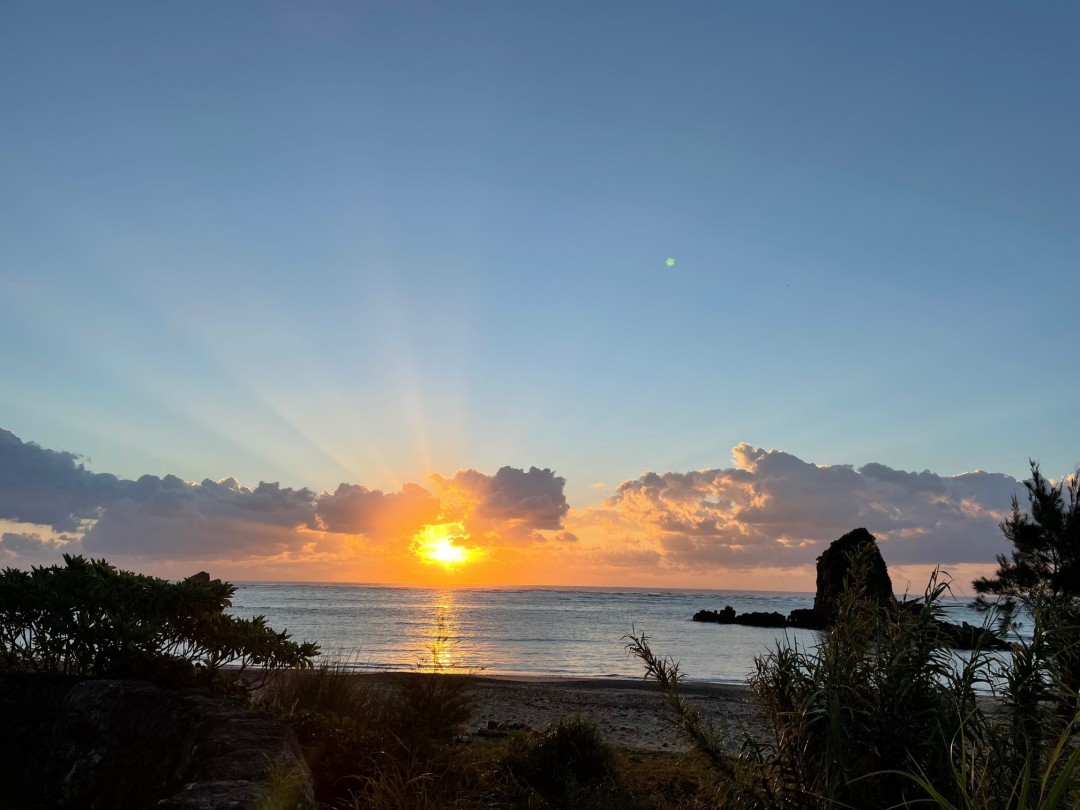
<point>513,504</point>
<point>213,520</point>
<point>50,487</point>
<point>564,537</point>
<point>31,548</point>
<point>381,516</point>
<point>535,498</point>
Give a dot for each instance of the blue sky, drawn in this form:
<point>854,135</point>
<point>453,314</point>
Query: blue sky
<point>366,242</point>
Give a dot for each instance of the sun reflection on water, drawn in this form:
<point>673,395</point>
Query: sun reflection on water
<point>439,638</point>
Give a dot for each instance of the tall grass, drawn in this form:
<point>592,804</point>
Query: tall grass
<point>877,695</point>
<point>377,744</point>
<point>1043,783</point>
<point>391,743</point>
<point>878,715</point>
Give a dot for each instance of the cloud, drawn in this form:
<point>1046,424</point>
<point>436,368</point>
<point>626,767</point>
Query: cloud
<point>769,510</point>
<point>513,505</point>
<point>31,547</point>
<point>355,509</point>
<point>564,537</point>
<point>774,509</point>
<point>51,487</point>
<point>171,519</point>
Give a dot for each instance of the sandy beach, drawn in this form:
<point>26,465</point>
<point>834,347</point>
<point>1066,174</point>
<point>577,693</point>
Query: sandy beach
<point>629,713</point>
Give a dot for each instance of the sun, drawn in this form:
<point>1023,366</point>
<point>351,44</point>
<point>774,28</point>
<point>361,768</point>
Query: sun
<point>434,544</point>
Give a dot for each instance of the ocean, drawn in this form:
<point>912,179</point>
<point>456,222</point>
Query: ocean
<point>541,632</point>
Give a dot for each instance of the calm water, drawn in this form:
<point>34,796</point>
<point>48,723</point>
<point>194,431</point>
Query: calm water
<point>564,632</point>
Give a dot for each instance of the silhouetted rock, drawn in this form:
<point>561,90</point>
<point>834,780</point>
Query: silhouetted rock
<point>834,568</point>
<point>961,636</point>
<point>833,573</point>
<point>100,744</point>
<point>725,616</point>
<point>758,618</point>
<point>805,618</point>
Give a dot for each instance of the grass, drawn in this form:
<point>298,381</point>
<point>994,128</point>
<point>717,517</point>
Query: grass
<point>395,742</point>
<point>386,744</point>
<point>875,717</point>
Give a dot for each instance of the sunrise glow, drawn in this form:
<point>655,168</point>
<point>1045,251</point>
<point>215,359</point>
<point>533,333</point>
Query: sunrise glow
<point>561,299</point>
<point>435,544</point>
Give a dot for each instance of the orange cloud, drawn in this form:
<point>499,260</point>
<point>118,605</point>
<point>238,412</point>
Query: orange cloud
<point>769,513</point>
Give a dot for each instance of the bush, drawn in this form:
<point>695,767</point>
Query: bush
<point>376,744</point>
<point>88,618</point>
<point>339,720</point>
<point>570,758</point>
<point>432,706</point>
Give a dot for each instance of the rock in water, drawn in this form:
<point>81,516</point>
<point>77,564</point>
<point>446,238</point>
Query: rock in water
<point>834,566</point>
<point>833,570</point>
<point>725,616</point>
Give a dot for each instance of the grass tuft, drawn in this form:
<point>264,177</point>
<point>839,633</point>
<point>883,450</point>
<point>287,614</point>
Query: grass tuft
<point>878,716</point>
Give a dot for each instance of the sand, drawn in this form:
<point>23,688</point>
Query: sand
<point>629,713</point>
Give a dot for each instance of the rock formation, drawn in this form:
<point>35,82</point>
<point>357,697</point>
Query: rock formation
<point>752,619</point>
<point>833,571</point>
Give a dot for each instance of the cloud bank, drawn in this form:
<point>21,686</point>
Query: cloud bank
<point>774,509</point>
<point>769,510</point>
<point>170,519</point>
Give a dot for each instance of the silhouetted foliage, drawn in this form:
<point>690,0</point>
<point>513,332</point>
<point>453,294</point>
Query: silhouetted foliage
<point>1043,570</point>
<point>1042,574</point>
<point>378,745</point>
<point>879,694</point>
<point>880,715</point>
<point>570,764</point>
<point>88,618</point>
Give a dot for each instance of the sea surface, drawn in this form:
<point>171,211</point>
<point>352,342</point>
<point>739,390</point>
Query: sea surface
<point>541,632</point>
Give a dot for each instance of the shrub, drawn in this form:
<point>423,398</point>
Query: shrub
<point>569,758</point>
<point>432,706</point>
<point>88,618</point>
<point>376,744</point>
<point>339,719</point>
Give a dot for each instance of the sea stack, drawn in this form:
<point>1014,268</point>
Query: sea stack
<point>834,568</point>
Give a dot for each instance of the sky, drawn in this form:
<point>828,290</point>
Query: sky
<point>658,294</point>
